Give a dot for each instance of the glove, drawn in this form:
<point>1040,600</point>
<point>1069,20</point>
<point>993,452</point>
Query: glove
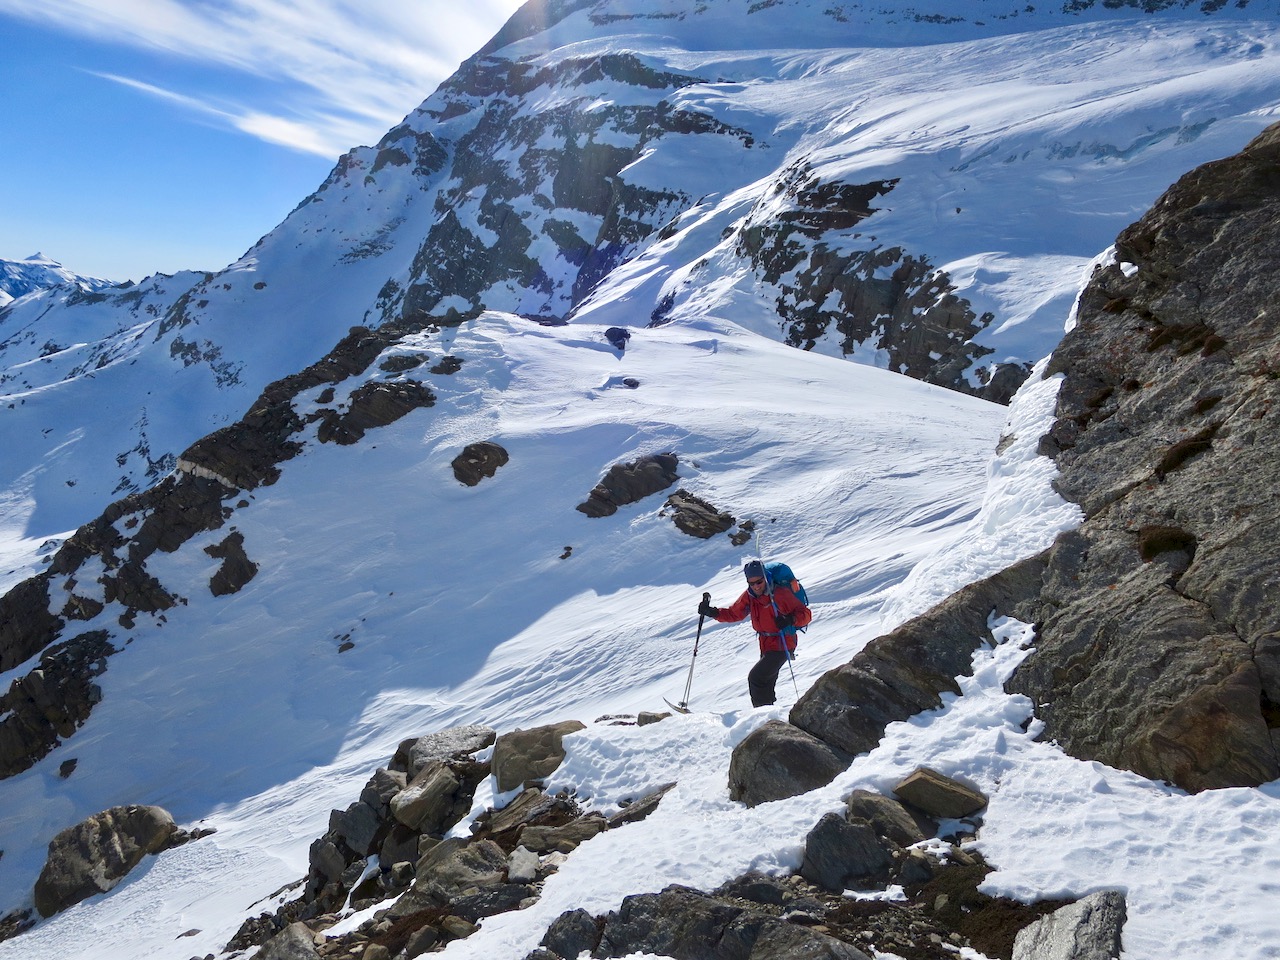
<point>705,609</point>
<point>784,620</point>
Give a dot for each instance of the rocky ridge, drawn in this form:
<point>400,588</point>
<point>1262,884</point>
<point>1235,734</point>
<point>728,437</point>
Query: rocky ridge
<point>440,890</point>
<point>1156,628</point>
<point>1159,612</point>
<point>102,569</point>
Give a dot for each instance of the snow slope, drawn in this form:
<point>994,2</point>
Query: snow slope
<point>240,712</point>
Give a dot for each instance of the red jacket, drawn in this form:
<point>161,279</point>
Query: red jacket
<point>761,610</point>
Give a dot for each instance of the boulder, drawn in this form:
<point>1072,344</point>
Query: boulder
<point>939,795</point>
<point>640,809</point>
<point>839,853</point>
<point>563,839</point>
<point>450,871</point>
<point>572,934</point>
<point>451,744</point>
<point>294,942</point>
<point>779,760</point>
<point>439,796</point>
<point>522,866</point>
<point>96,854</point>
<point>1088,929</point>
<point>524,756</point>
<point>629,482</point>
<point>357,826</point>
<point>886,816</point>
<point>478,461</point>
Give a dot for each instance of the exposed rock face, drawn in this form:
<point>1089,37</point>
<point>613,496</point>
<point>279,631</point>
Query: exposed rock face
<point>373,404</point>
<point>1088,929</point>
<point>522,756</point>
<point>478,461</point>
<point>885,298</point>
<point>696,517</point>
<point>1157,648</point>
<point>629,482</point>
<point>93,856</point>
<point>904,672</point>
<point>51,702</point>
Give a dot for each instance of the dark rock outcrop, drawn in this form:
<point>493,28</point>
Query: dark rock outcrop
<point>841,853</point>
<point>696,517</point>
<point>1153,654</point>
<point>478,461</point>
<point>95,855</point>
<point>236,570</point>
<point>56,696</point>
<point>629,482</point>
<point>47,705</point>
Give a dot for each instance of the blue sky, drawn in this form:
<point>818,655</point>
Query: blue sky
<point>164,135</point>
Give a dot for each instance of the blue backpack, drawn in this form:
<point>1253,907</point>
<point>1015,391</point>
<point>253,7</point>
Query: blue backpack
<point>780,575</point>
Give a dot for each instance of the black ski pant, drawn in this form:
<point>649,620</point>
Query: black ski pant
<point>764,677</point>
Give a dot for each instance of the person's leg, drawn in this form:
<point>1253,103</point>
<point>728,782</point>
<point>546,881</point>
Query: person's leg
<point>764,677</point>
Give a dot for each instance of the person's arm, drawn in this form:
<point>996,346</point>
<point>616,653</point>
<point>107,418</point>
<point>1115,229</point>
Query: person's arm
<point>738,610</point>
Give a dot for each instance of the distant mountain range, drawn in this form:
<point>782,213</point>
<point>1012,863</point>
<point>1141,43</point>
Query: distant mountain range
<point>38,272</point>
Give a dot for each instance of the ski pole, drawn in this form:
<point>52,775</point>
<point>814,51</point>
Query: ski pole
<point>688,684</point>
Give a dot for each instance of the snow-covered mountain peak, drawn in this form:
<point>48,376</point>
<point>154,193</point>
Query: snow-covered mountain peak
<point>37,272</point>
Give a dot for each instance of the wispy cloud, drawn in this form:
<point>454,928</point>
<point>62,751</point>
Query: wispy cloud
<point>338,72</point>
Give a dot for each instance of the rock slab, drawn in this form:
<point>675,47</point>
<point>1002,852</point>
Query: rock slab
<point>96,854</point>
<point>1088,929</point>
